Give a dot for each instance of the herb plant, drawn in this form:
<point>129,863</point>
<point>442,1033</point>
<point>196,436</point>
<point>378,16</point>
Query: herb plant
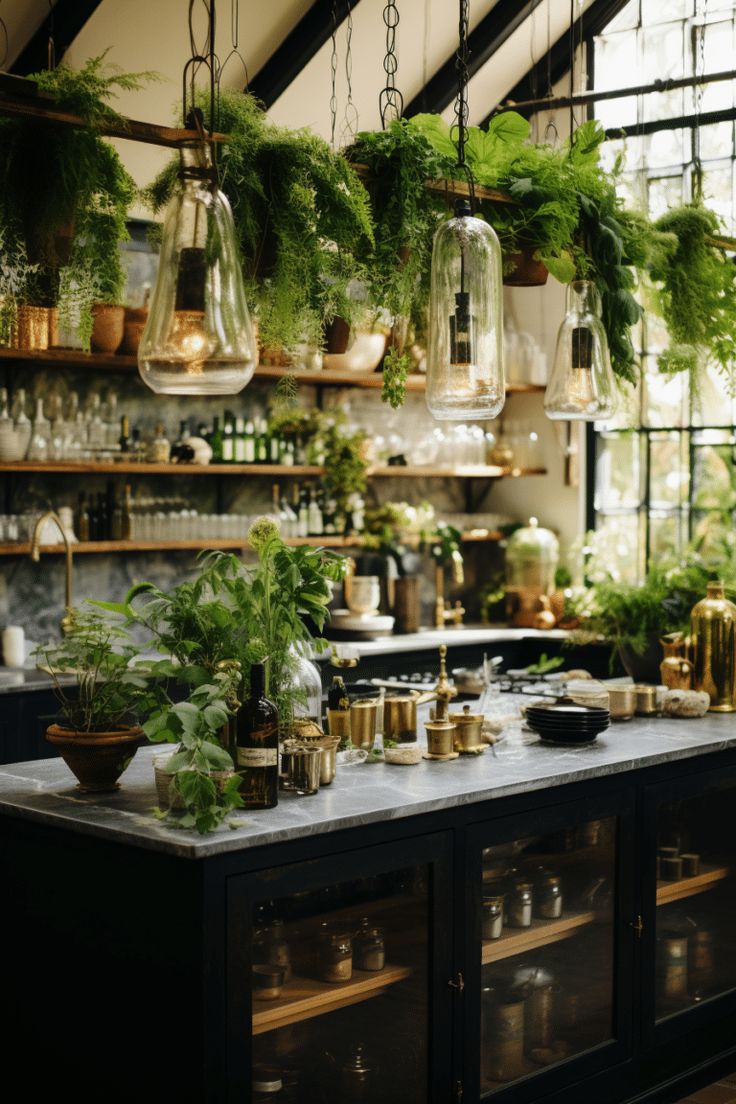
<point>107,691</point>
<point>16,276</point>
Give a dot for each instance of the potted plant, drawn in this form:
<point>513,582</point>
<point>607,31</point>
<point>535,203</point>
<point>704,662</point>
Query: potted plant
<point>98,735</point>
<point>302,217</point>
<point>16,281</point>
<point>65,194</point>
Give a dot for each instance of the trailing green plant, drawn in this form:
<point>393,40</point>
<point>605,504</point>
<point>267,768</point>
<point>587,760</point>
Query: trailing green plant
<point>302,218</point>
<point>697,293</point>
<point>16,277</point>
<point>64,192</point>
<point>98,652</point>
<point>399,160</point>
<point>545,664</point>
<point>330,443</point>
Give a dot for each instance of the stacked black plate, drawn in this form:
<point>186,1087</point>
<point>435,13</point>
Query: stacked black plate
<point>567,724</point>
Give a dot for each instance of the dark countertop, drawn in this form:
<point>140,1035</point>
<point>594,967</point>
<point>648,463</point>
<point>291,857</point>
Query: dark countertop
<point>44,790</point>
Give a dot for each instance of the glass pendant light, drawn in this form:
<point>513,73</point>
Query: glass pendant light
<point>581,385</point>
<point>198,338</point>
<point>465,379</point>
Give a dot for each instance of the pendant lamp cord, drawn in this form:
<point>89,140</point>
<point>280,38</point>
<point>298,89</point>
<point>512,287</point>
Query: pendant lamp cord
<point>697,186</point>
<point>390,100</point>
<point>462,57</point>
<point>350,118</point>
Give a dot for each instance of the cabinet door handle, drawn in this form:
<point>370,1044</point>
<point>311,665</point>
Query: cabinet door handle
<point>458,982</point>
<point>638,926</point>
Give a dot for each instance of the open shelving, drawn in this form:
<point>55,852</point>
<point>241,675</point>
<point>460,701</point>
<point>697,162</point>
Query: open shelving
<point>305,998</point>
<point>98,467</point>
<point>515,941</point>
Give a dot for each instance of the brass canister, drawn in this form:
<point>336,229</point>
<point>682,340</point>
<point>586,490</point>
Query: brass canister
<point>30,329</point>
<point>363,721</point>
<point>502,1013</point>
<point>400,718</point>
<point>468,731</point>
<point>713,633</point>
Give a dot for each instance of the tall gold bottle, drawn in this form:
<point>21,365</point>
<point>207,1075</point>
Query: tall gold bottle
<point>713,635</point>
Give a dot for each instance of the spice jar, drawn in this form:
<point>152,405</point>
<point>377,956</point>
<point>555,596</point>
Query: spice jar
<point>548,897</point>
<point>267,982</point>
<point>690,865</point>
<point>337,957</point>
<point>492,922</point>
<point>277,948</point>
<point>502,1018</point>
<point>519,905</point>
<point>670,868</point>
<point>370,949</point>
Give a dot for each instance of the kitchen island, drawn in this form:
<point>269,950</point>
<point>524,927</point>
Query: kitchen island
<point>133,943</point>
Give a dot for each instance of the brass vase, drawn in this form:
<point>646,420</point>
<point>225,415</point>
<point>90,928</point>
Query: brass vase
<point>713,634</point>
<point>676,670</point>
<point>30,329</point>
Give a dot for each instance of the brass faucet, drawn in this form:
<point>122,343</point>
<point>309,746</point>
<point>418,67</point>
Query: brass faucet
<point>443,612</point>
<point>51,515</point>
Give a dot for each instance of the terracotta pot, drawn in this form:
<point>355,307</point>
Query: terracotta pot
<point>108,328</point>
<point>97,759</point>
<point>527,272</point>
<point>133,326</point>
<point>30,329</point>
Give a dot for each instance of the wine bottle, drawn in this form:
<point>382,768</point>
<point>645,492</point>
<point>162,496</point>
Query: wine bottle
<point>126,530</point>
<point>216,441</point>
<point>82,518</point>
<point>124,439</point>
<point>249,443</point>
<point>257,752</point>
<point>228,442</point>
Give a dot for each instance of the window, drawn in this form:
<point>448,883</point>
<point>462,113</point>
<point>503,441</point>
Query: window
<point>664,471</point>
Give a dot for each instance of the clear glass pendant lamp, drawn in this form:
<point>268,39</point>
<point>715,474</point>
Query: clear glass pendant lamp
<point>198,338</point>
<point>581,386</point>
<point>465,376</point>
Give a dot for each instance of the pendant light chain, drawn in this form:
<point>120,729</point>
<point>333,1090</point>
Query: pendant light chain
<point>697,188</point>
<point>235,50</point>
<point>461,103</point>
<point>351,118</point>
<point>390,101</point>
<point>205,57</point>
<point>333,75</point>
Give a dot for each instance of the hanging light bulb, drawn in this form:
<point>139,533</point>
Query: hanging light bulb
<point>198,338</point>
<point>465,378</point>
<point>581,385</point>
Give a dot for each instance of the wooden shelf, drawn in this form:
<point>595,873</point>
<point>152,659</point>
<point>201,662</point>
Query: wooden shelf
<point>304,998</point>
<point>98,467</point>
<point>16,548</point>
<point>688,887</point>
<point>515,941</point>
<point>74,358</point>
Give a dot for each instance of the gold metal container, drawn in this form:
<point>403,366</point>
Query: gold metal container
<point>675,669</point>
<point>30,329</point>
<point>440,738</point>
<point>338,724</point>
<point>646,700</point>
<point>363,720</point>
<point>621,702</point>
<point>309,734</point>
<point>400,717</point>
<point>468,738</point>
<point>713,635</point>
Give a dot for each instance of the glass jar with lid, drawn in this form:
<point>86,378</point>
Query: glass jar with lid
<point>370,948</point>
<point>336,956</point>
<point>519,904</point>
<point>532,556</point>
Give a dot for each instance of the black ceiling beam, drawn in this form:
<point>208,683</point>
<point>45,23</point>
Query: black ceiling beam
<point>505,17</point>
<point>66,21</point>
<point>556,62</point>
<point>297,50</point>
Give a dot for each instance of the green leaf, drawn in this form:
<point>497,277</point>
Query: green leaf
<point>562,267</point>
<point>437,132</point>
<point>197,789</point>
<point>509,127</point>
<point>215,716</point>
<point>217,758</point>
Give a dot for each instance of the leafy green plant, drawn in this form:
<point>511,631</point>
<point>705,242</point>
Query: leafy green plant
<point>16,277</point>
<point>64,193</point>
<point>399,160</point>
<point>107,691</point>
<point>697,295</point>
<point>545,664</point>
<point>302,217</point>
<point>392,527</point>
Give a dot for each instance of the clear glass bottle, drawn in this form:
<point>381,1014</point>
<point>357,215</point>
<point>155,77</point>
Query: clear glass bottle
<point>40,435</point>
<point>159,450</point>
<point>4,408</point>
<point>465,377</point>
<point>198,339</point>
<point>581,385</point>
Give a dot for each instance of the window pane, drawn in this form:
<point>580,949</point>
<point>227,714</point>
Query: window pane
<point>624,537</point>
<point>618,471</point>
<point>665,398</point>
<point>669,475</point>
<point>668,534</point>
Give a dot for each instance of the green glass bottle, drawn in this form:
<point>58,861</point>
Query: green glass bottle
<point>216,441</point>
<point>257,752</point>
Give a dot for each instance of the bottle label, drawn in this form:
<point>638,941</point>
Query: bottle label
<point>227,449</point>
<point>257,757</point>
<point>240,451</point>
<point>249,449</point>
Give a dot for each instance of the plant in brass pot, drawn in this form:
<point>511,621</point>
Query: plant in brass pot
<point>98,734</point>
<point>16,284</point>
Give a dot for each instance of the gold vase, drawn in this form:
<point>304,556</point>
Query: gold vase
<point>31,329</point>
<point>675,669</point>
<point>713,634</point>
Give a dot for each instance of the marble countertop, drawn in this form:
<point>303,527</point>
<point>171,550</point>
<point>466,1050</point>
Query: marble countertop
<point>26,680</point>
<point>427,639</point>
<point>44,791</point>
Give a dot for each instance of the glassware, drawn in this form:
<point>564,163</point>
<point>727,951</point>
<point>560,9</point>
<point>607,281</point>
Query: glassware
<point>307,682</point>
<point>370,949</point>
<point>581,386</point>
<point>199,336</point>
<point>38,448</point>
<point>465,379</point>
<point>337,957</point>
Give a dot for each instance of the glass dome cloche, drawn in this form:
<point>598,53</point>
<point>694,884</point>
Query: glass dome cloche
<point>532,557</point>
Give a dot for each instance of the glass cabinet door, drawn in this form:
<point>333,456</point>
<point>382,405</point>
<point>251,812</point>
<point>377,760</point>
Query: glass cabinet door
<point>695,950</point>
<point>547,950</point>
<point>341,977</point>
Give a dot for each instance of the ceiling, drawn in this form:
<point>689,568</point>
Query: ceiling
<point>142,34</point>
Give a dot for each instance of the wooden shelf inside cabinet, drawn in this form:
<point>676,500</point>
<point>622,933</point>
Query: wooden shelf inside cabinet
<point>688,887</point>
<point>304,998</point>
<point>515,941</point>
